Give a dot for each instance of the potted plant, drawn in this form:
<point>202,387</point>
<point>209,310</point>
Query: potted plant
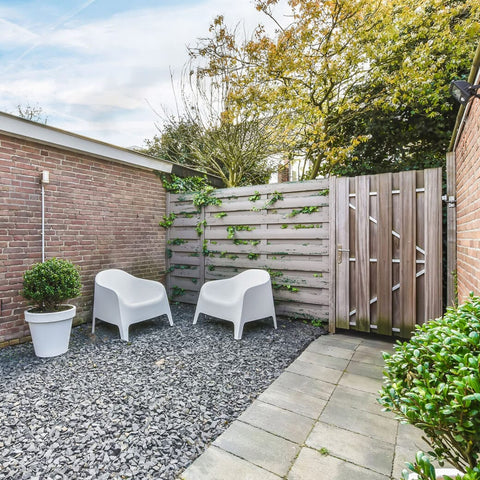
<point>433,382</point>
<point>47,285</point>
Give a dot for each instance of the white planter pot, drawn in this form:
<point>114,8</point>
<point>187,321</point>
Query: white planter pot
<point>50,331</point>
<point>439,472</point>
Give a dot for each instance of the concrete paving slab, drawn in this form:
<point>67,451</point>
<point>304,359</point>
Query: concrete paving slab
<point>405,454</point>
<point>359,382</point>
<point>311,464</point>
<point>349,397</point>
<point>324,360</point>
<point>294,401</point>
<point>402,455</point>
<point>261,448</point>
<point>315,371</point>
<point>331,350</point>
<point>301,383</point>
<point>216,464</point>
<point>368,357</point>
<point>346,337</point>
<point>366,370</point>
<point>375,349</point>
<point>365,423</point>
<point>411,437</point>
<point>281,422</point>
<point>339,342</point>
<point>353,447</point>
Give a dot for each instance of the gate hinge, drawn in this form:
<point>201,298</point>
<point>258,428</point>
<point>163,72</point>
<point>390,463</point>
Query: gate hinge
<point>450,200</point>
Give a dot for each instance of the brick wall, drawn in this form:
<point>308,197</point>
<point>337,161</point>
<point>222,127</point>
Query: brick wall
<point>99,214</point>
<point>467,159</point>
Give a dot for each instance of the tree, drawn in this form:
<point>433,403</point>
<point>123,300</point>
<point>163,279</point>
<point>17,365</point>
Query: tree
<point>32,112</point>
<point>354,82</point>
<point>421,48</point>
<point>213,138</point>
<point>175,141</point>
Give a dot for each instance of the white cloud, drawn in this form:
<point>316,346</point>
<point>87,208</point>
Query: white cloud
<point>13,35</point>
<point>95,78</point>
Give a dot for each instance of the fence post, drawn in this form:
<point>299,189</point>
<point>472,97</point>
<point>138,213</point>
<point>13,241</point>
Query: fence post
<point>333,252</point>
<point>203,237</point>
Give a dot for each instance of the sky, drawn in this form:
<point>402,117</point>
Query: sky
<point>102,68</point>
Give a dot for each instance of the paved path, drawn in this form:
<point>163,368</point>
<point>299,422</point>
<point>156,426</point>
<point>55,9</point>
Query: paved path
<point>318,420</point>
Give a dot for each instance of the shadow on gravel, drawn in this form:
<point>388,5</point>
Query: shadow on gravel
<point>144,409</point>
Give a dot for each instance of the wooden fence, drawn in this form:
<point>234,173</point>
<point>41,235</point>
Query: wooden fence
<point>364,252</point>
<point>386,253</point>
<point>283,228</point>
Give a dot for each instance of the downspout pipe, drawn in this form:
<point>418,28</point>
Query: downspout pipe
<point>45,178</point>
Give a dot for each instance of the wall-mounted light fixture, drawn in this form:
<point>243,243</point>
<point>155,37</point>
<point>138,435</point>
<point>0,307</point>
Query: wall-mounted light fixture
<point>463,91</point>
<point>45,178</point>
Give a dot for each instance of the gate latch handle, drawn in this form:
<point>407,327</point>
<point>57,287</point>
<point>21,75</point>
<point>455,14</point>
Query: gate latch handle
<point>340,250</point>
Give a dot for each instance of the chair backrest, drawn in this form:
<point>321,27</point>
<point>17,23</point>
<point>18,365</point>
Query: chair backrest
<point>253,277</point>
<point>115,279</point>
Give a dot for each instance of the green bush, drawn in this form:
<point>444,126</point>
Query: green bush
<point>50,283</point>
<point>433,382</point>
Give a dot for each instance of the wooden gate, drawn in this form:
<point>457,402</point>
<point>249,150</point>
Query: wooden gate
<point>386,251</point>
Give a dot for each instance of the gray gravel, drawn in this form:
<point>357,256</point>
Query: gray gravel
<point>146,409</point>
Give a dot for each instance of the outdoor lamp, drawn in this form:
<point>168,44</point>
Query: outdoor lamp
<point>463,91</point>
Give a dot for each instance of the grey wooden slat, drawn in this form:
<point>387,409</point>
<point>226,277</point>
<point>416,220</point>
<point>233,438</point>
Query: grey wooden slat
<point>384,266</point>
<point>342,294</point>
<point>282,265</point>
<point>332,253</point>
<point>185,259</point>
<point>259,206</point>
<point>407,253</point>
<point>253,218</point>
<point>313,185</point>
<point>362,253</point>
<point>303,295</point>
<point>433,243</point>
<point>298,235</point>
<point>278,250</point>
<point>293,310</point>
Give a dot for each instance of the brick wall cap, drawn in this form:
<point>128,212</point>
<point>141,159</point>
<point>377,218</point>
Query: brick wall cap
<point>34,131</point>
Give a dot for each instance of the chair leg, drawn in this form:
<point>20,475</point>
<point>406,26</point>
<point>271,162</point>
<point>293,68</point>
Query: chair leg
<point>123,332</point>
<point>195,318</point>
<point>93,323</point>
<point>237,330</point>
<point>274,320</point>
<point>169,315</point>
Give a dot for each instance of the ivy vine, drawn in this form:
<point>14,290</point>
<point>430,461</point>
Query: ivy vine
<point>168,220</point>
<point>308,210</point>
<point>232,229</point>
<point>256,196</point>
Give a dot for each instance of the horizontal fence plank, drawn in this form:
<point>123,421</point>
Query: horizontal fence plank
<point>296,234</point>
<point>253,218</point>
<point>284,265</point>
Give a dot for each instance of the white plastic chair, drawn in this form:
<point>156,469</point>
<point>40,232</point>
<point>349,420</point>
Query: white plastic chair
<point>243,298</point>
<point>122,299</point>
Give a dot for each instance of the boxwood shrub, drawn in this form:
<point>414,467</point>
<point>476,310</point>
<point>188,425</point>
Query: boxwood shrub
<point>50,283</point>
<point>433,382</point>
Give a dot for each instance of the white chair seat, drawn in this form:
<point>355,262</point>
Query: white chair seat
<point>122,299</point>
<point>243,298</point>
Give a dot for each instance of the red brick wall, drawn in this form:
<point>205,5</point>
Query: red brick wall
<point>99,214</point>
<point>467,159</point>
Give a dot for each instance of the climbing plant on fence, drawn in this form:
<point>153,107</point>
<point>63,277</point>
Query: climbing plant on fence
<point>282,228</point>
